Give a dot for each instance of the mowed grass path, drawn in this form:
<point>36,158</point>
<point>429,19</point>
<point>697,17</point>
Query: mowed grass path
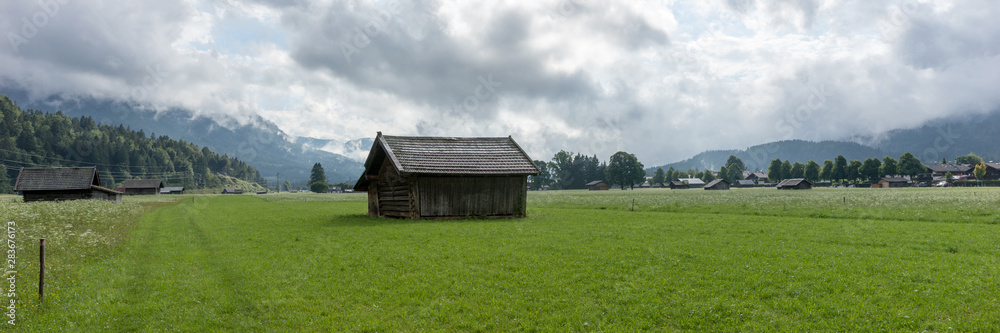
<point>244,264</point>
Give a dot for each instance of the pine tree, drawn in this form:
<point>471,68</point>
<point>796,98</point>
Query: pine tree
<point>317,179</point>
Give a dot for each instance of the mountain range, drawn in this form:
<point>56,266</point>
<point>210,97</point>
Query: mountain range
<point>935,140</point>
<point>258,141</point>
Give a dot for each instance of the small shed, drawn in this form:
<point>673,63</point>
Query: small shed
<point>445,177</point>
<point>679,185</point>
<point>718,184</point>
<point>598,185</point>
<point>142,186</point>
<point>172,190</point>
<point>262,192</point>
<point>795,184</point>
<point>54,184</point>
<point>744,183</point>
<point>232,191</point>
<point>890,182</point>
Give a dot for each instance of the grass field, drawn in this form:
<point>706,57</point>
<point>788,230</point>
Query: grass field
<point>740,260</point>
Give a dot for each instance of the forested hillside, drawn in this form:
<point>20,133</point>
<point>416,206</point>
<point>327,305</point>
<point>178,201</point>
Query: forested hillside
<point>34,138</point>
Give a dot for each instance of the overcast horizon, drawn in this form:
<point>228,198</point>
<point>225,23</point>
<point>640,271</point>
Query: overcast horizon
<point>664,80</point>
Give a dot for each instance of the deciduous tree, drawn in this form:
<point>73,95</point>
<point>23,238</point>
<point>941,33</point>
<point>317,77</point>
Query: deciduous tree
<point>625,169</point>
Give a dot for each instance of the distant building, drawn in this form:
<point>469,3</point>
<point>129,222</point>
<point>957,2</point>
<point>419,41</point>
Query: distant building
<point>794,184</point>
<point>232,191</point>
<point>142,186</point>
<point>938,171</point>
<point>172,190</point>
<point>744,183</point>
<point>992,171</point>
<point>890,182</point>
<point>694,182</point>
<point>718,184</point>
<point>598,185</point>
<point>55,184</point>
<point>756,177</point>
<point>335,189</point>
<point>262,192</point>
<point>679,185</point>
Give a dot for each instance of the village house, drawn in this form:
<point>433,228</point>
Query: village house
<point>992,171</point>
<point>598,185</point>
<point>445,177</point>
<point>794,184</point>
<point>54,184</point>
<point>142,186</point>
<point>718,184</point>
<point>938,171</point>
<point>756,177</point>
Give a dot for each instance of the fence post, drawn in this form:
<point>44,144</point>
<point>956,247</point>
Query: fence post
<point>41,271</point>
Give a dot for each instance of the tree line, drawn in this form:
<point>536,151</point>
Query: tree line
<point>33,138</point>
<point>568,170</point>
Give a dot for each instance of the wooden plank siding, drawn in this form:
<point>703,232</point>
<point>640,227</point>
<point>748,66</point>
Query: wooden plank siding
<point>472,196</point>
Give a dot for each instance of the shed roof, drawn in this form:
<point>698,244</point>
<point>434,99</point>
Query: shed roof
<point>792,182</point>
<point>745,182</point>
<point>173,189</point>
<point>142,183</point>
<point>693,181</point>
<point>49,179</point>
<point>484,156</point>
<point>716,182</point>
<point>948,167</point>
<point>594,182</point>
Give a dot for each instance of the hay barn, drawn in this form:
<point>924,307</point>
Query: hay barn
<point>172,190</point>
<point>795,184</point>
<point>54,184</point>
<point>142,186</point>
<point>891,182</point>
<point>718,184</point>
<point>443,177</point>
<point>598,185</point>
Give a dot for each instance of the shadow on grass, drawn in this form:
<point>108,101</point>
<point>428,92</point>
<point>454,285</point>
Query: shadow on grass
<point>363,220</point>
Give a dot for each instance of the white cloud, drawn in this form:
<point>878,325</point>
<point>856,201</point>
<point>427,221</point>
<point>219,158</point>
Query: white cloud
<point>658,79</point>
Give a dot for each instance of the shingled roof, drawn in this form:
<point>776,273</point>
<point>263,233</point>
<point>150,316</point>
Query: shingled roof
<point>142,183</point>
<point>449,156</point>
<point>52,179</point>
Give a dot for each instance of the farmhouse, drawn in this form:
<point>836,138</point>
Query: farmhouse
<point>939,170</point>
<point>992,171</point>
<point>172,190</point>
<point>232,191</point>
<point>679,185</point>
<point>442,177</point>
<point>890,182</point>
<point>53,184</point>
<point>598,185</point>
<point>142,186</point>
<point>795,184</point>
<point>756,177</point>
<point>718,184</point>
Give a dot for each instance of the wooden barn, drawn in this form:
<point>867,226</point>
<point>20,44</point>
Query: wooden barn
<point>54,184</point>
<point>598,185</point>
<point>891,182</point>
<point>744,183</point>
<point>442,177</point>
<point>718,184</point>
<point>795,184</point>
<point>679,185</point>
<point>142,186</point>
<point>233,191</point>
<point>172,190</point>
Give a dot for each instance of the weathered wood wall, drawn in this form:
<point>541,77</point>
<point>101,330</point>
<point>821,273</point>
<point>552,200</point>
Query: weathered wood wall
<point>142,191</point>
<point>393,193</point>
<point>471,196</point>
<point>31,196</point>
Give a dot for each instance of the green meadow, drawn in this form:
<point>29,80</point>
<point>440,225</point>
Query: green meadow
<point>893,260</point>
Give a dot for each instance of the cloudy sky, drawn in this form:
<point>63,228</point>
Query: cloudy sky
<point>662,79</point>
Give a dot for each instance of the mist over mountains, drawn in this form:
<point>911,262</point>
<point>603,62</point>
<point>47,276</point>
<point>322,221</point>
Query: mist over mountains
<point>257,141</point>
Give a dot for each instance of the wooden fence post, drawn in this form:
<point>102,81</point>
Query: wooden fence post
<point>41,271</point>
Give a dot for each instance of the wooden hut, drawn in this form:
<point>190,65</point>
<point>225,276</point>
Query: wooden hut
<point>744,183</point>
<point>598,185</point>
<point>53,184</point>
<point>172,190</point>
<point>795,184</point>
<point>142,186</point>
<point>890,182</point>
<point>718,184</point>
<point>232,191</point>
<point>679,185</point>
<point>441,177</point>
